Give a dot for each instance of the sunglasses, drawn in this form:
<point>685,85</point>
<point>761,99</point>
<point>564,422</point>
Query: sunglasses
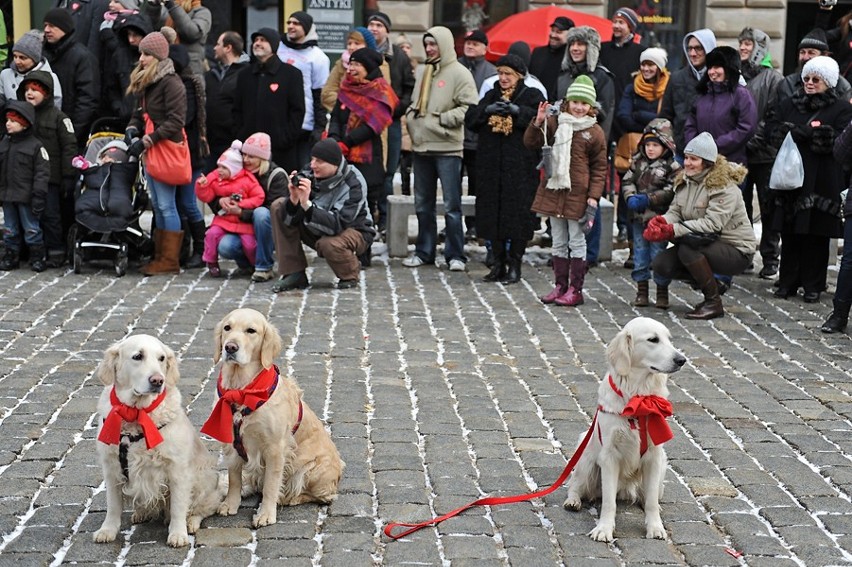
<point>814,80</point>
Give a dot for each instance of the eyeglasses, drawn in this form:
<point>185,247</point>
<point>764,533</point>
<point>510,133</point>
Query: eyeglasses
<point>696,48</point>
<point>814,80</point>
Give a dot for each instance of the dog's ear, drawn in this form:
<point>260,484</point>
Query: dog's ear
<point>172,371</point>
<point>619,353</point>
<point>107,368</point>
<point>271,346</point>
<point>217,341</point>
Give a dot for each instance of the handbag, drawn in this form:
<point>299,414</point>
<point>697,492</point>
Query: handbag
<point>627,145</point>
<point>788,171</point>
<point>696,240</point>
<point>167,161</point>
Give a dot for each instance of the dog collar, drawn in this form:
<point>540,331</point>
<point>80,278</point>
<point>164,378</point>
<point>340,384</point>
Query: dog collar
<point>120,412</point>
<point>220,424</point>
<point>649,412</point>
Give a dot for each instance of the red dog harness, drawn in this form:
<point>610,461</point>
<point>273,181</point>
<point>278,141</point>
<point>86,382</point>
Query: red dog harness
<point>648,414</point>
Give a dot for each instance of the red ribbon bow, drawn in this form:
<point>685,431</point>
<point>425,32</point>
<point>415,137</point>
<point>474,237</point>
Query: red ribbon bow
<point>111,430</point>
<point>651,412</point>
<point>220,424</point>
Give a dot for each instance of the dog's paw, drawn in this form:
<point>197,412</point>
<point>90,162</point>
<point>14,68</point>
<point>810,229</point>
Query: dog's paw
<point>227,509</point>
<point>193,523</point>
<point>178,538</point>
<point>140,517</point>
<point>603,533</point>
<point>264,518</point>
<point>104,535</point>
<point>655,531</point>
<point>572,503</point>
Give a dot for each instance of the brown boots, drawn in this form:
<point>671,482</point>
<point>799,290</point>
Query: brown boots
<point>642,296</point>
<point>166,253</point>
<point>711,307</point>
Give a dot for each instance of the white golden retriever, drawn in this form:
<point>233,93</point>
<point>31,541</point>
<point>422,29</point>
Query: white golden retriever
<point>613,465</point>
<point>176,478</point>
<point>288,460</point>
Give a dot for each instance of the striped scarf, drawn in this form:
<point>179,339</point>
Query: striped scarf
<point>371,103</point>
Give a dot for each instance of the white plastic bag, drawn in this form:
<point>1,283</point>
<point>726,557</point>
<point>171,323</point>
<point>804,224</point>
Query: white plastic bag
<point>788,171</point>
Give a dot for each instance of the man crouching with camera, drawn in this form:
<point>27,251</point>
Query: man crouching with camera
<point>327,210</point>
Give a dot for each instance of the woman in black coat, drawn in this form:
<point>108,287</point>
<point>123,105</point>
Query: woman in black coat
<point>808,217</point>
<point>507,177</point>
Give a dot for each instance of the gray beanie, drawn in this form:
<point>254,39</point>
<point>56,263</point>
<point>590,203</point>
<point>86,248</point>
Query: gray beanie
<point>703,146</point>
<point>30,45</point>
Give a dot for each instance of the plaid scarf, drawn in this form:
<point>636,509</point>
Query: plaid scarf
<point>371,103</point>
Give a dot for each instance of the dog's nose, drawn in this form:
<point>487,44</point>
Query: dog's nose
<point>231,348</point>
<point>680,360</point>
<point>156,381</point>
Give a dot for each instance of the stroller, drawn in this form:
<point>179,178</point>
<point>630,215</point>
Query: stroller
<point>111,198</point>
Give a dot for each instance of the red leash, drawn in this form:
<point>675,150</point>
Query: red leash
<point>493,501</point>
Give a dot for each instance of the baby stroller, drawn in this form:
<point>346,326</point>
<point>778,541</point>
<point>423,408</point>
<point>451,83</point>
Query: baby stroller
<point>111,199</point>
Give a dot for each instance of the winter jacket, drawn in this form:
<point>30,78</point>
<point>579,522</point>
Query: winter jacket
<point>506,172</point>
<point>622,60</point>
<point>118,61</point>
<point>192,28</point>
<point>480,69</point>
<point>221,85</point>
<point>269,98</point>
<point>588,171</point>
<point>712,202</point>
<point>164,100</point>
<point>731,117</point>
<point>315,65</point>
<point>243,184</point>
<point>815,208</point>
<point>654,178</point>
<point>79,75</point>
<point>762,86</point>
<point>24,164</point>
<point>275,184</point>
<point>401,75</point>
<point>440,129</point>
<point>634,112</point>
<point>87,16</point>
<point>793,83</point>
<point>11,79</point>
<point>843,154</point>
<point>339,202</point>
<point>544,64</point>
<point>54,129</point>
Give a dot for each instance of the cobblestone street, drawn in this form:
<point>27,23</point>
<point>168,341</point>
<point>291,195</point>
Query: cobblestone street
<point>439,389</point>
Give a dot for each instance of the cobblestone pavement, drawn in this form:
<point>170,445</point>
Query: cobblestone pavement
<point>439,389</point>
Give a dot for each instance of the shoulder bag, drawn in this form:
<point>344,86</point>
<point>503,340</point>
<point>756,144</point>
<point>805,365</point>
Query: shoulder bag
<point>167,161</point>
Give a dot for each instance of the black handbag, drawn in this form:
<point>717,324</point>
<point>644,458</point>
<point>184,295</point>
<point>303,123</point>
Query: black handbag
<point>698,239</point>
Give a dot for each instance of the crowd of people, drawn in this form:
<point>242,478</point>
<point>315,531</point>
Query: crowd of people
<point>287,150</point>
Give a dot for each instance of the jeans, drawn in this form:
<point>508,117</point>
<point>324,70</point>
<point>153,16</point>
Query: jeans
<point>187,203</point>
<point>593,239</point>
<point>644,253</point>
<point>394,149</point>
<point>19,217</point>
<point>427,170</point>
<point>265,244</point>
<point>231,248</point>
<point>164,204</point>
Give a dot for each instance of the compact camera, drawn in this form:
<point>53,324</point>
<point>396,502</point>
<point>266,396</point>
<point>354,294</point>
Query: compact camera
<point>553,110</point>
<point>234,197</point>
<point>297,177</point>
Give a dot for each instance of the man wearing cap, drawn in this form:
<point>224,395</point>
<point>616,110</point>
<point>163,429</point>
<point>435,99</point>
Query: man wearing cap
<point>270,98</point>
<point>475,45</point>
<point>545,60</point>
<point>327,210</point>
<point>300,47</point>
<point>77,69</point>
<point>220,86</point>
<point>442,95</point>
<point>402,82</point>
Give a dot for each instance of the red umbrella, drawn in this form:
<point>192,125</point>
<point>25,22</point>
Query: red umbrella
<point>533,27</point>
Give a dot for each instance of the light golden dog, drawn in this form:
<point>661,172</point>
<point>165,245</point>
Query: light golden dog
<point>176,478</point>
<point>613,463</point>
<point>287,454</point>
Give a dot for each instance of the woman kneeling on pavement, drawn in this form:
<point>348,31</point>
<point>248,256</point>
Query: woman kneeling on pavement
<point>708,224</point>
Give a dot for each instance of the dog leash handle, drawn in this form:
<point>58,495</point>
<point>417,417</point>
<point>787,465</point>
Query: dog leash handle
<point>494,501</point>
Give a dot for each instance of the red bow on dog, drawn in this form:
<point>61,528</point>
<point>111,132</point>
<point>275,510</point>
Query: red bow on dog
<point>220,424</point>
<point>651,411</point>
<point>111,431</point>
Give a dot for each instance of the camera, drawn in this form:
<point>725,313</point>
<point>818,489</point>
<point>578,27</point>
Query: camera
<point>827,3</point>
<point>234,197</point>
<point>553,110</point>
<point>297,177</point>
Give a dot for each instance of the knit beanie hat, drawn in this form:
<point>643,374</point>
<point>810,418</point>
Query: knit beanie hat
<point>362,35</point>
<point>582,89</point>
<point>477,35</point>
<point>116,150</point>
<point>629,16</point>
<point>258,145</point>
<point>130,4</point>
<point>30,45</point>
<point>17,117</point>
<point>328,151</point>
<point>522,50</point>
<point>823,67</point>
<point>231,159</point>
<point>703,146</point>
<point>815,39</point>
<point>156,45</point>
<point>169,33</point>
<point>305,19</point>
<point>382,18</point>
<point>513,62</point>
<point>656,55</point>
<point>369,58</point>
<point>402,39</point>
<point>61,18</point>
<point>271,35</point>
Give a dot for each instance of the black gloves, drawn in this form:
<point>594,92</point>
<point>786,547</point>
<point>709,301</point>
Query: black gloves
<point>68,186</point>
<point>822,140</point>
<point>130,134</point>
<point>37,207</point>
<point>502,108</point>
<point>513,109</point>
<point>801,133</point>
<point>136,148</point>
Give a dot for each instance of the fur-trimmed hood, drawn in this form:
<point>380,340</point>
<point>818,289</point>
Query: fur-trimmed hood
<point>591,38</point>
<point>717,178</point>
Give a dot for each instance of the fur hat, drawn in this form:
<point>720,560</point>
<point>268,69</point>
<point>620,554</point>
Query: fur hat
<point>582,89</point>
<point>656,55</point>
<point>729,59</point>
<point>761,44</point>
<point>382,18</point>
<point>328,151</point>
<point>477,35</point>
<point>30,45</point>
<point>703,146</point>
<point>363,35</point>
<point>156,45</point>
<point>562,23</point>
<point>629,16</point>
<point>592,39</point>
<point>258,145</point>
<point>815,39</point>
<point>60,18</point>
<point>369,58</point>
<point>231,159</point>
<point>305,19</point>
<point>824,67</point>
<point>513,62</point>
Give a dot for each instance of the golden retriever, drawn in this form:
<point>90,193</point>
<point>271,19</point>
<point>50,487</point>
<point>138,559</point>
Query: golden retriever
<point>176,478</point>
<point>613,464</point>
<point>287,460</point>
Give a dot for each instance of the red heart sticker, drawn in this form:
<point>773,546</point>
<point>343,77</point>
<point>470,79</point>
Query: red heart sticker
<point>75,6</point>
<point>290,61</point>
<point>441,84</point>
<point>273,87</point>
<point>815,123</point>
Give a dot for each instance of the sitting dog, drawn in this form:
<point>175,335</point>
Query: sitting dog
<point>269,432</point>
<point>147,446</point>
<point>624,457</point>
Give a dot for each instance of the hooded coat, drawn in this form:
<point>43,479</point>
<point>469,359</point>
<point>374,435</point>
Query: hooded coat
<point>24,163</point>
<point>726,110</point>
<point>762,82</point>
<point>654,178</point>
<point>681,91</point>
<point>440,128</point>
<point>79,75</point>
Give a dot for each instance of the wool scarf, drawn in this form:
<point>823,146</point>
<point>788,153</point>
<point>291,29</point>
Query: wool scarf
<point>651,91</point>
<point>220,424</point>
<point>120,412</point>
<point>503,124</point>
<point>561,156</point>
<point>371,103</point>
<point>432,66</point>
